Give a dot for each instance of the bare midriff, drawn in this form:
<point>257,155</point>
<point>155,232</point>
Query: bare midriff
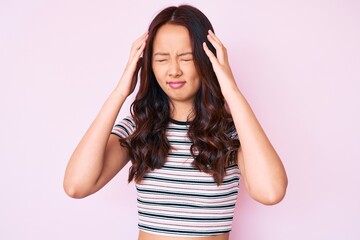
<point>151,236</point>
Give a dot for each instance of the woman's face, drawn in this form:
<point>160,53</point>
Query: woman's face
<point>173,64</point>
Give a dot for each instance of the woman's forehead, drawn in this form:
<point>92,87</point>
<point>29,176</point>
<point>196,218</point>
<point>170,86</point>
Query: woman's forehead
<point>172,37</point>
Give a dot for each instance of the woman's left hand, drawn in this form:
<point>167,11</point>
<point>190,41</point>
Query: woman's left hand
<point>220,63</point>
<point>261,168</point>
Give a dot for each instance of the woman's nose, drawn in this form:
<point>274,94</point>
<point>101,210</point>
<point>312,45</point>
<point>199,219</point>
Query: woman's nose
<point>174,69</point>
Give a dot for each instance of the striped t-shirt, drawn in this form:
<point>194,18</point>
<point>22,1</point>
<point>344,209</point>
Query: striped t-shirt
<point>178,199</point>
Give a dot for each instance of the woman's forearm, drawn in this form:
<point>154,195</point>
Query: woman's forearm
<point>86,163</point>
<point>261,166</point>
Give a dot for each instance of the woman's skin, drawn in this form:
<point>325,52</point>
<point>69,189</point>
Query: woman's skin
<point>99,156</point>
<point>174,69</point>
<point>150,236</point>
<point>260,166</point>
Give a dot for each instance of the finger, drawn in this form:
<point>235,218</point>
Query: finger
<point>139,42</point>
<point>134,59</point>
<point>141,38</point>
<point>138,48</point>
<point>210,54</point>
<point>220,49</point>
<point>212,34</point>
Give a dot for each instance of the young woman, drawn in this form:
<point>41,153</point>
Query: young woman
<point>190,136</point>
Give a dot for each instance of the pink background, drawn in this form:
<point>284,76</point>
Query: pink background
<point>297,62</point>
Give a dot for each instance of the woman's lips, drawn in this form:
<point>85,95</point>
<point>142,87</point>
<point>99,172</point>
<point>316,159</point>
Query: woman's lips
<point>176,85</point>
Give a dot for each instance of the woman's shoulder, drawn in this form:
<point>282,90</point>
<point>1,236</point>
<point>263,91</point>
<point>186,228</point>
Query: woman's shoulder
<point>129,119</point>
<point>125,127</point>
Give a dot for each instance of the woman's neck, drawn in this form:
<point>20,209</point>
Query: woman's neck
<point>183,112</point>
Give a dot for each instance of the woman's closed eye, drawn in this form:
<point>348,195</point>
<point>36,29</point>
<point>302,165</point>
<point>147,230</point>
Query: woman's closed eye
<point>160,60</point>
<point>186,59</point>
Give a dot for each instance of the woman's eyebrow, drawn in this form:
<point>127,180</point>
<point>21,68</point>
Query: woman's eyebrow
<point>167,54</point>
<point>161,54</point>
<point>183,54</point>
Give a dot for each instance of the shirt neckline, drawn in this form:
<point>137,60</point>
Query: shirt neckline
<point>180,122</point>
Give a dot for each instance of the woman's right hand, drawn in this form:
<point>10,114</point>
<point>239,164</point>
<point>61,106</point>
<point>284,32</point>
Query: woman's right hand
<point>99,157</point>
<point>128,80</point>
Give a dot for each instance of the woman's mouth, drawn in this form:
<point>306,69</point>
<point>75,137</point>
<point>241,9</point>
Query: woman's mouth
<point>176,85</point>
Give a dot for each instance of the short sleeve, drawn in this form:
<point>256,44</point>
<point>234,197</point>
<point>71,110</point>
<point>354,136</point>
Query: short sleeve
<point>124,128</point>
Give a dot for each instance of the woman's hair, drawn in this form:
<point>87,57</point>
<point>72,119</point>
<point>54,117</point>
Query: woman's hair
<point>213,149</point>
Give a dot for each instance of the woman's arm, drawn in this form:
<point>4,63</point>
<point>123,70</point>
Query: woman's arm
<point>99,155</point>
<point>261,168</point>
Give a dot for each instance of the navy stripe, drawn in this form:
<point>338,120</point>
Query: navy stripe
<point>183,205</point>
<point>115,133</point>
<point>179,155</point>
<point>130,121</point>
<point>158,192</point>
<point>180,142</point>
<point>123,128</point>
<point>181,181</point>
<point>182,218</point>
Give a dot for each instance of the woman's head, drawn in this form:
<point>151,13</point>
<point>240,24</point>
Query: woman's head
<point>176,34</point>
<point>192,22</point>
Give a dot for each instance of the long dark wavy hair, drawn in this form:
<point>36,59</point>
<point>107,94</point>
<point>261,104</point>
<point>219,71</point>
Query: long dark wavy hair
<point>213,149</point>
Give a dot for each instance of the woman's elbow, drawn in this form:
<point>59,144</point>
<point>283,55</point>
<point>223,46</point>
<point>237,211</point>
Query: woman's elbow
<point>74,191</point>
<point>276,190</point>
<point>274,198</point>
<point>271,195</point>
